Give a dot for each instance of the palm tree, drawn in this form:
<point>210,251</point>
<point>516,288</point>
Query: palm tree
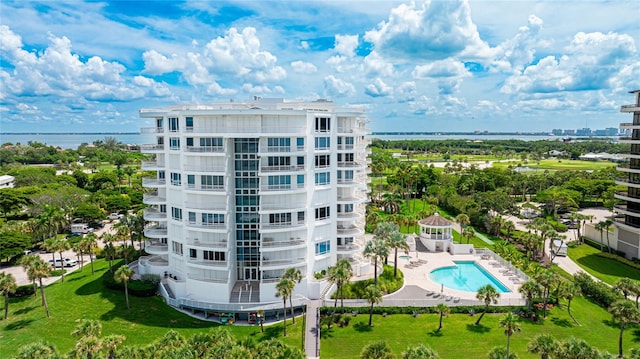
<point>295,276</point>
<point>420,352</point>
<point>340,274</point>
<point>110,251</point>
<point>500,353</point>
<point>607,224</point>
<point>7,286</point>
<point>122,275</point>
<point>546,279</point>
<point>37,350</point>
<point>625,312</point>
<point>625,285</point>
<point>27,263</point>
<point>543,344</point>
<point>261,319</point>
<point>61,245</point>
<point>600,226</point>
<point>377,350</point>
<point>529,289</point>
<point>40,270</point>
<point>570,290</point>
<point>509,226</point>
<point>111,343</point>
<point>576,348</point>
<point>373,295</point>
<point>377,249</point>
<point>510,324</point>
<point>468,232</point>
<point>463,220</point>
<point>384,231</point>
<point>397,241</point>
<point>283,289</point>
<point>87,327</point>
<point>487,294</point>
<point>496,223</point>
<point>443,310</point>
<point>89,243</point>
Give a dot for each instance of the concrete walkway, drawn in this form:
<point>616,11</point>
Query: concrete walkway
<point>312,329</point>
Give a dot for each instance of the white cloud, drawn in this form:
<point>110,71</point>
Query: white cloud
<point>346,45</point>
<point>337,87</point>
<point>303,67</point>
<point>375,64</point>
<point>378,89</point>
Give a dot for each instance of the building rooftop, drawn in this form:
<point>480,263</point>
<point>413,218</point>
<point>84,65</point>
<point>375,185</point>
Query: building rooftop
<point>435,221</point>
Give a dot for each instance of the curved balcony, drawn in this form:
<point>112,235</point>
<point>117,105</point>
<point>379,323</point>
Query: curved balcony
<point>153,198</point>
<point>293,206</point>
<point>152,261</point>
<point>349,231</point>
<point>282,189</point>
<point>155,247</point>
<point>156,232</point>
<point>626,197</point>
<point>622,209</point>
<point>151,130</point>
<point>208,227</point>
<point>152,214</point>
<point>350,215</point>
<point>205,264</point>
<point>207,279</point>
<point>151,182</point>
<point>351,198</point>
<point>153,165</point>
<point>629,140</point>
<point>205,169</point>
<point>195,242</point>
<point>271,245</point>
<point>349,248</point>
<point>205,188</point>
<point>630,108</point>
<point>286,168</point>
<point>271,264</point>
<point>151,148</point>
<point>281,227</point>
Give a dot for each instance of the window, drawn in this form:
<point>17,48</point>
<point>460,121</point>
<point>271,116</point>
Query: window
<point>300,180</point>
<point>211,142</point>
<point>212,218</point>
<point>189,141</point>
<point>323,178</point>
<point>173,124</point>
<point>280,218</point>
<point>189,123</point>
<point>279,181</point>
<point>176,213</point>
<point>323,247</point>
<point>176,179</point>
<point>345,208</point>
<point>177,247</point>
<point>322,161</point>
<point>300,143</point>
<point>213,256</point>
<point>174,143</point>
<point>323,124</point>
<point>279,161</point>
<point>192,217</point>
<point>322,143</point>
<point>191,181</point>
<point>193,253</point>
<point>278,144</point>
<point>300,161</point>
<point>212,182</point>
<point>322,213</point>
<point>160,174</point>
<point>301,217</point>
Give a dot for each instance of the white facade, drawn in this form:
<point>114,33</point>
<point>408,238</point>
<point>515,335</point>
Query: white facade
<point>6,181</point>
<point>244,191</point>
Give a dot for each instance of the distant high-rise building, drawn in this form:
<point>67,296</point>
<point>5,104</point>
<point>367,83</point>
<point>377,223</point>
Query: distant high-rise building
<point>628,225</point>
<point>583,132</point>
<point>244,191</point>
<point>557,131</point>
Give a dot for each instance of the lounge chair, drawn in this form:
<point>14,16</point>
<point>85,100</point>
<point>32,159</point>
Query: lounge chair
<point>448,298</point>
<point>430,293</point>
<point>456,299</point>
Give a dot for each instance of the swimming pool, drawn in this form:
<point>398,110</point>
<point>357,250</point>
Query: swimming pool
<point>466,276</point>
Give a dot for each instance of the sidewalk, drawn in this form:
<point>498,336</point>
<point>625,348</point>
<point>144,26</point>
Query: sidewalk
<point>312,330</point>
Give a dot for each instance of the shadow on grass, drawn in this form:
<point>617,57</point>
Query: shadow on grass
<point>362,327</point>
<point>635,335</point>
<point>19,324</point>
<point>274,331</point>
<point>608,266</point>
<point>435,333</point>
<point>478,328</point>
<point>24,310</point>
<point>562,322</point>
<point>611,323</point>
<point>326,333</point>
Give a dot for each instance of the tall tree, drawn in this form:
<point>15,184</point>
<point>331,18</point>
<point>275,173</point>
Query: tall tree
<point>89,243</point>
<point>123,275</point>
<point>377,249</point>
<point>443,310</point>
<point>468,232</point>
<point>41,270</point>
<point>397,241</point>
<point>295,276</point>
<point>510,324</point>
<point>284,288</point>
<point>529,289</point>
<point>547,279</point>
<point>7,286</point>
<point>487,294</point>
<point>61,245</point>
<point>340,274</point>
<point>373,295</point>
<point>624,312</point>
<point>568,291</point>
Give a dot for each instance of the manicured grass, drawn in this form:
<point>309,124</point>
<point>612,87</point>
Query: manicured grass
<point>460,338</point>
<point>607,270</point>
<point>82,296</point>
<point>559,164</point>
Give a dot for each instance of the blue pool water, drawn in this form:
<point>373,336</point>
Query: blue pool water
<point>466,276</point>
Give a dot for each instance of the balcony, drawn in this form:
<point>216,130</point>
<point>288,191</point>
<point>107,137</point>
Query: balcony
<point>222,265</point>
<point>148,130</point>
<point>281,226</point>
<point>293,206</point>
<point>267,263</point>
<point>280,149</point>
<point>346,147</point>
<point>622,209</point>
<point>629,140</point>
<point>207,279</point>
<point>207,169</point>
<point>350,215</point>
<point>153,198</point>
<point>352,164</point>
<point>205,188</point>
<point>207,226</point>
<point>626,197</point>
<point>151,214</point>
<point>279,188</point>
<point>626,181</point>
<point>152,165</point>
<point>630,108</point>
<point>627,169</point>
<point>276,130</point>
<point>152,261</point>
<point>155,232</point>
<point>156,247</point>
<point>271,244</point>
<point>206,149</point>
<point>151,148</point>
<point>151,182</point>
<point>286,168</point>
<point>195,242</point>
<point>630,125</point>
<point>351,248</point>
<point>349,231</point>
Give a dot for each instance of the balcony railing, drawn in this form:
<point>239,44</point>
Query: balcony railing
<point>153,182</point>
<point>153,198</point>
<point>150,214</point>
<point>206,149</point>
<point>201,168</point>
<point>281,262</point>
<point>155,232</point>
<point>623,208</point>
<point>283,168</point>
<point>151,148</point>
<point>208,263</point>
<point>268,242</point>
<point>249,129</point>
<point>152,130</point>
<point>152,261</point>
<point>282,187</point>
<point>206,188</point>
<point>281,149</point>
<point>206,279</point>
<point>202,243</point>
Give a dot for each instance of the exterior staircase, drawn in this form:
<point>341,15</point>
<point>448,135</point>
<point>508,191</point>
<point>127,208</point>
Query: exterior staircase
<point>245,292</point>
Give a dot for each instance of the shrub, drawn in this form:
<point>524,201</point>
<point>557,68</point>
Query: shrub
<point>24,291</point>
<point>598,292</point>
<point>58,272</point>
<point>386,282</point>
<point>153,279</point>
<point>138,287</point>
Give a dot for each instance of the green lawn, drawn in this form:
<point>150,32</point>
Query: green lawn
<point>607,270</point>
<point>82,296</point>
<point>459,338</point>
<point>559,164</point>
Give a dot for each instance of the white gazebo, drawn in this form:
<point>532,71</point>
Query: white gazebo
<point>436,233</point>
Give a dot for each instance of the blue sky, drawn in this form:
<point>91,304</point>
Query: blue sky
<point>418,66</point>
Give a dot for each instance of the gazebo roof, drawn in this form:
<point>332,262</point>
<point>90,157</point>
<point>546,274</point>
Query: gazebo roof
<point>435,221</point>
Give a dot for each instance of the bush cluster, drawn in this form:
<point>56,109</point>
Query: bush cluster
<point>387,283</point>
<point>598,292</point>
<point>139,287</point>
<point>473,309</point>
<point>23,291</point>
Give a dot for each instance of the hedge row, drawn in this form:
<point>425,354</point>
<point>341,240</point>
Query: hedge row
<point>23,291</point>
<point>597,245</point>
<point>598,292</point>
<point>420,310</point>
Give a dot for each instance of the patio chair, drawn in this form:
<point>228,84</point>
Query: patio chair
<point>448,298</point>
<point>430,293</point>
<point>456,299</point>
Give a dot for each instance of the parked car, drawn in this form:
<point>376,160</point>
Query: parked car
<point>96,225</point>
<point>570,224</point>
<point>81,228</point>
<point>73,234</point>
<point>65,262</point>
<point>114,216</point>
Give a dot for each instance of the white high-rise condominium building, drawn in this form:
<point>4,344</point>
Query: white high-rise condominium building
<point>244,191</point>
